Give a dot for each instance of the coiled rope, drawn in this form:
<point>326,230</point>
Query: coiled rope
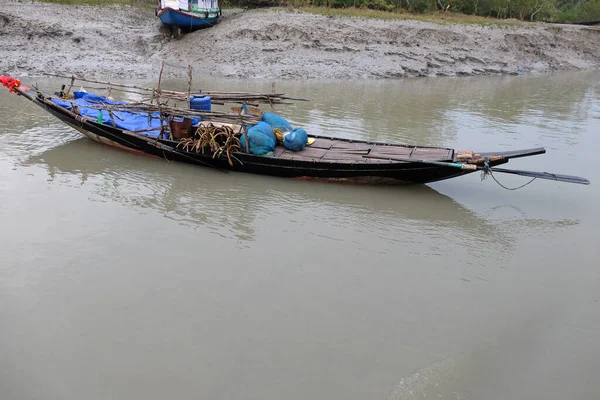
<point>487,170</point>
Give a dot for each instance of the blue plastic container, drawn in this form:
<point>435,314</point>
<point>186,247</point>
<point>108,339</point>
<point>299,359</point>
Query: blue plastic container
<point>201,103</point>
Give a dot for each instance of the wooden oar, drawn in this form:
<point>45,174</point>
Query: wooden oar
<point>542,175</point>
<point>473,167</point>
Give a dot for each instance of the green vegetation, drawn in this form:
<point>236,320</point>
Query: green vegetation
<point>437,17</point>
<point>449,10</point>
<point>452,11</point>
<point>140,3</point>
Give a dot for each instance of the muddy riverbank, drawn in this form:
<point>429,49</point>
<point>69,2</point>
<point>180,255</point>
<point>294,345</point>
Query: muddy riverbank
<point>127,42</point>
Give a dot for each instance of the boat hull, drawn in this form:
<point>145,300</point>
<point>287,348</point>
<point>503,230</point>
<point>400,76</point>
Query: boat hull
<point>187,21</point>
<point>389,172</point>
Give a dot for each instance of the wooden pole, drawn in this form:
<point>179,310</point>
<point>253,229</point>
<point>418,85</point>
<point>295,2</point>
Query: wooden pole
<point>71,85</point>
<point>219,95</point>
<point>189,100</point>
<point>232,118</point>
<point>160,113</point>
<point>245,128</point>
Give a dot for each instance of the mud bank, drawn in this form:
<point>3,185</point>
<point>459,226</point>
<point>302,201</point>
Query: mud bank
<point>127,42</point>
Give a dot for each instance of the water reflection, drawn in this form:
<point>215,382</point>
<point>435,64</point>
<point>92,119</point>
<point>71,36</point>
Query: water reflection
<point>203,197</point>
<point>231,204</point>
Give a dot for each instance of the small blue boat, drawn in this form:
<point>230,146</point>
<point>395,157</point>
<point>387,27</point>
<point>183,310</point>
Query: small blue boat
<point>188,16</point>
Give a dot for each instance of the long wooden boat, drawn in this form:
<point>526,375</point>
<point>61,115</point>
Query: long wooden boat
<point>326,158</point>
<point>192,17</point>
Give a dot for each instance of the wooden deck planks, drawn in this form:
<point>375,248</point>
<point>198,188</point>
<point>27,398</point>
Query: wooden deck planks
<point>310,152</point>
<point>395,151</point>
<point>348,152</point>
<point>427,154</point>
<point>341,156</point>
<point>307,154</point>
<point>349,146</point>
<point>321,143</point>
<point>279,150</point>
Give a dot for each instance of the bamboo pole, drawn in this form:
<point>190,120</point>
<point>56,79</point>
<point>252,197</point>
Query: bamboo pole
<point>189,95</point>
<point>245,128</point>
<point>112,120</point>
<point>79,78</point>
<point>160,114</point>
<point>206,115</point>
<point>71,85</point>
<point>218,95</point>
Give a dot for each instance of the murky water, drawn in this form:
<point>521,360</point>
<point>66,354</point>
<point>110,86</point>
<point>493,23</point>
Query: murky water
<point>133,278</point>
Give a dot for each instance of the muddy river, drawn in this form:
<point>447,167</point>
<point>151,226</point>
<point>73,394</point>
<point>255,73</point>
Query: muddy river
<point>133,278</point>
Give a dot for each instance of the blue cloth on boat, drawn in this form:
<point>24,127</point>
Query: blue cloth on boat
<point>261,139</point>
<point>277,121</point>
<point>267,130</point>
<point>295,140</point>
<point>123,119</point>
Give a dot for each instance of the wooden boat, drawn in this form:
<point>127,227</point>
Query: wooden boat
<point>327,158</point>
<point>188,16</point>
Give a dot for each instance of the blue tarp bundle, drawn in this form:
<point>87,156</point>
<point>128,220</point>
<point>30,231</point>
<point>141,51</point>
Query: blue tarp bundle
<point>123,119</point>
<point>295,140</point>
<point>261,138</point>
<point>277,121</point>
<point>267,130</point>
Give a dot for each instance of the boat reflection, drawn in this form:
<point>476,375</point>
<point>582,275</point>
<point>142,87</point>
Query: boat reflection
<point>232,205</point>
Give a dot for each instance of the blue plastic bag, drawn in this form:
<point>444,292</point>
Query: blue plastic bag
<point>266,129</point>
<point>277,121</point>
<point>261,139</point>
<point>295,140</point>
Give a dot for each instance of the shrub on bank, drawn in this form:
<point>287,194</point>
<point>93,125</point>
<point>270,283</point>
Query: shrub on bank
<point>570,11</point>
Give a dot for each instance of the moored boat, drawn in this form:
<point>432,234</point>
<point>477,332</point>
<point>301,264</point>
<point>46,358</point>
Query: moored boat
<point>188,16</point>
<point>199,135</point>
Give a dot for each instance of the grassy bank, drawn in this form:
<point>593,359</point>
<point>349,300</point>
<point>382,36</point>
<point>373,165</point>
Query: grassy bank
<point>506,12</point>
<point>436,17</point>
<point>138,3</point>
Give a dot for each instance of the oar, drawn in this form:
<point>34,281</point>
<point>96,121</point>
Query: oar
<point>542,175</point>
<point>473,167</point>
